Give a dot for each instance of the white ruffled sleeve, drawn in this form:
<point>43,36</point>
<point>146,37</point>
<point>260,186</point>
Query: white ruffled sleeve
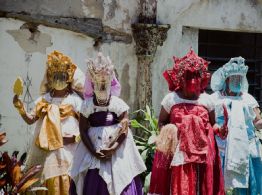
<point>77,102</point>
<point>87,107</point>
<point>118,106</point>
<point>250,100</point>
<point>168,101</point>
<point>39,99</point>
<point>208,101</point>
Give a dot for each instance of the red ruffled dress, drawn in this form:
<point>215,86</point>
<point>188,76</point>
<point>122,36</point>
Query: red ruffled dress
<point>195,167</point>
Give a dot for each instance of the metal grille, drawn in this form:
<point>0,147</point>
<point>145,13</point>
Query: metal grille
<point>219,46</point>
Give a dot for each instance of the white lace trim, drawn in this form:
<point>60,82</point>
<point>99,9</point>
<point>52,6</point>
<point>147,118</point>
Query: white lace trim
<point>116,105</point>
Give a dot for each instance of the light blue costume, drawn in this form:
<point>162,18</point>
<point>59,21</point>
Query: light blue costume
<point>239,152</point>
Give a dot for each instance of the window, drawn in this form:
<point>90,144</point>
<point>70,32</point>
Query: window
<point>219,46</point>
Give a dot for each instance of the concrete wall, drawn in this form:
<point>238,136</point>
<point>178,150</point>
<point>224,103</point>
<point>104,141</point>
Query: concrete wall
<point>22,53</point>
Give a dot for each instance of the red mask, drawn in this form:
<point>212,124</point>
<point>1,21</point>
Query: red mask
<point>193,84</point>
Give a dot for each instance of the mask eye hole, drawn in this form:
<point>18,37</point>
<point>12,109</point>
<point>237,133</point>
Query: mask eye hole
<point>60,77</point>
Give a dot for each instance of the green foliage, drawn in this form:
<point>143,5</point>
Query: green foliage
<point>145,125</point>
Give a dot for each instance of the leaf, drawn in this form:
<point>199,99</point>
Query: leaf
<point>139,138</point>
<point>148,111</point>
<point>141,148</point>
<point>15,153</point>
<point>16,174</point>
<point>135,123</point>
<point>18,86</point>
<point>7,160</point>
<point>2,182</point>
<point>34,189</point>
<point>2,165</point>
<point>27,185</point>
<point>3,139</point>
<point>147,183</point>
<point>29,174</point>
<point>144,155</point>
<point>155,121</point>
<point>22,159</point>
<point>140,143</point>
<point>137,111</point>
<point>152,139</point>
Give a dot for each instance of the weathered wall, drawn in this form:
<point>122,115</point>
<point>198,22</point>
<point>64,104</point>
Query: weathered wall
<point>22,52</point>
<point>117,14</point>
<point>186,17</point>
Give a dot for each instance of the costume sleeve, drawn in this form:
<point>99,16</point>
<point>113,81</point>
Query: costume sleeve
<point>208,101</point>
<point>39,99</point>
<point>168,102</point>
<point>250,100</point>
<point>118,106</point>
<point>77,103</point>
<point>87,107</point>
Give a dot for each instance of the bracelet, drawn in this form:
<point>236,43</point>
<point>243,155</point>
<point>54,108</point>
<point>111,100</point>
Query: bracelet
<point>77,138</point>
<point>21,110</point>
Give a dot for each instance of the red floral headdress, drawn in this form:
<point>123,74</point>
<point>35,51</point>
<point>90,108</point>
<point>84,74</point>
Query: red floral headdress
<point>191,62</point>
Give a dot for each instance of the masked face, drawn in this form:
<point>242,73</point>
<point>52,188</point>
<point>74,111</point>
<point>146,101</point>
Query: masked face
<point>235,83</point>
<point>192,84</point>
<point>102,86</point>
<point>59,81</point>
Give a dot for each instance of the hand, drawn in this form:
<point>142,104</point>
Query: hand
<point>220,131</point>
<point>68,140</point>
<point>19,105</point>
<point>99,155</point>
<point>108,152</point>
<point>223,131</point>
<point>17,102</point>
<point>225,115</point>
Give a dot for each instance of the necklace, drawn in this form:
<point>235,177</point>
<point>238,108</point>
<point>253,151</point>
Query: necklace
<point>102,102</point>
<point>52,93</point>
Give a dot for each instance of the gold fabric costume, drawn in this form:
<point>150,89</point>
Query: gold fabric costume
<point>50,136</point>
<point>56,186</point>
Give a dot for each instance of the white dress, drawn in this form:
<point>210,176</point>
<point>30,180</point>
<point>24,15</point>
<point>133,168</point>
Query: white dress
<point>126,162</point>
<point>56,162</point>
<point>241,144</point>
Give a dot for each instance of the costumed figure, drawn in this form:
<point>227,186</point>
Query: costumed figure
<point>56,114</point>
<point>107,160</point>
<point>193,166</point>
<point>240,154</point>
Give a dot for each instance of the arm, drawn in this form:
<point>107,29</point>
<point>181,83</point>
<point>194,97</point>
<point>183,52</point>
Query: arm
<point>163,118</point>
<point>258,120</point>
<point>83,128</point>
<point>123,131</point>
<point>221,131</point>
<point>27,117</point>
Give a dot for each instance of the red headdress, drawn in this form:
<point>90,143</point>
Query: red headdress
<point>191,62</point>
